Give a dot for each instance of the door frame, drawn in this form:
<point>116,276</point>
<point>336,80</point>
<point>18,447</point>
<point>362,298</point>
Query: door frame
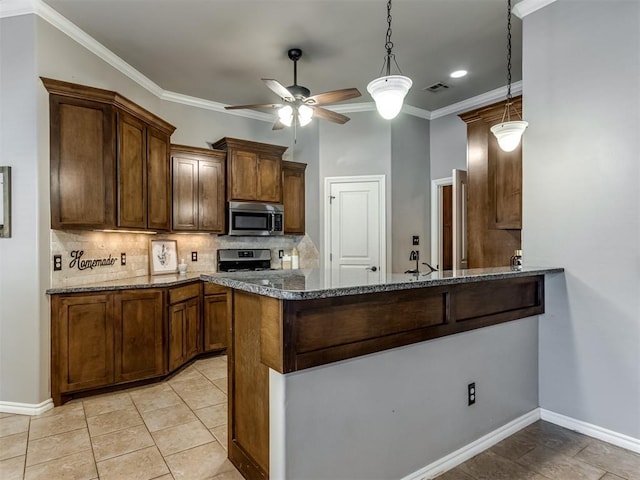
<point>382,215</point>
<point>436,218</point>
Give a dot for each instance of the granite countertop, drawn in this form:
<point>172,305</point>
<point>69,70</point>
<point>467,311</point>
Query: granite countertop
<point>147,281</point>
<point>316,283</point>
<point>307,284</point>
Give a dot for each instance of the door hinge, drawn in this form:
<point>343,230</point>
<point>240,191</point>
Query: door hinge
<point>331,257</point>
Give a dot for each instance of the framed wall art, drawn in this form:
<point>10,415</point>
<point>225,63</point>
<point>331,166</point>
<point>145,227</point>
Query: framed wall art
<point>163,256</point>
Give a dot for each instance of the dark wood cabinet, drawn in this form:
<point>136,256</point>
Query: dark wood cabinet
<point>494,202</point>
<point>215,318</point>
<point>198,189</point>
<point>82,334</point>
<point>109,161</point>
<point>254,170</point>
<point>293,197</point>
<point>185,334</point>
<point>138,323</point>
<point>107,338</point>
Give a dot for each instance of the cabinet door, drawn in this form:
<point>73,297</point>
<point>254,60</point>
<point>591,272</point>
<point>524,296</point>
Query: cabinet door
<point>505,186</point>
<point>269,178</point>
<point>243,172</point>
<point>138,335</point>
<point>132,172</point>
<point>158,181</point>
<point>293,198</point>
<point>81,342</point>
<point>211,204</point>
<point>192,333</point>
<point>185,193</point>
<point>215,322</point>
<point>177,321</point>
<point>82,164</point>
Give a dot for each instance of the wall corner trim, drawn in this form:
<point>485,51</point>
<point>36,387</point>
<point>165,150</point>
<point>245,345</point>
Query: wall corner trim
<point>26,408</point>
<point>591,430</point>
<point>525,7</point>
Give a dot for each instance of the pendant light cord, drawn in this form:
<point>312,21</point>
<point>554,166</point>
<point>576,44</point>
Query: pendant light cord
<point>388,45</point>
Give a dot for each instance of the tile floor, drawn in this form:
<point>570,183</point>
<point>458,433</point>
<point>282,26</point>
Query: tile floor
<point>178,430</point>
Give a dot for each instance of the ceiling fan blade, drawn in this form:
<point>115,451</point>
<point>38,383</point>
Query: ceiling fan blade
<point>278,125</point>
<point>253,107</point>
<point>329,115</point>
<point>333,96</point>
<point>277,88</point>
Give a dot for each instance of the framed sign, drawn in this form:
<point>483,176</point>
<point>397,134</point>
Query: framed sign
<point>5,202</point>
<point>163,256</point>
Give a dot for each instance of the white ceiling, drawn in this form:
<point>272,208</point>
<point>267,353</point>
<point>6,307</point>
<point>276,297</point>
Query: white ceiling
<point>219,50</point>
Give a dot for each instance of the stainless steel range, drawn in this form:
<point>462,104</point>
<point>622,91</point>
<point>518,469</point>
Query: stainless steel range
<point>244,260</point>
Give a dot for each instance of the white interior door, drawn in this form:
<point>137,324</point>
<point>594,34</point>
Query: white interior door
<point>355,248</point>
<point>460,219</point>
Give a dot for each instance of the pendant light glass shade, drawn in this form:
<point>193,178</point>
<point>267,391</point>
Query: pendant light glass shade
<point>388,93</point>
<point>509,134</point>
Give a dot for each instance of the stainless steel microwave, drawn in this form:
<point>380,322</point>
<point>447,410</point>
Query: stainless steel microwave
<point>263,219</point>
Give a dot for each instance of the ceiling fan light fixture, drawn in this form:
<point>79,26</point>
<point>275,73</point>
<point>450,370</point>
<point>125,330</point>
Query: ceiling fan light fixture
<point>285,114</point>
<point>509,134</point>
<point>305,114</point>
<point>388,93</point>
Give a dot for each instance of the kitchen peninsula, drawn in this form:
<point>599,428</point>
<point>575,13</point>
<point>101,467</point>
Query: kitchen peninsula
<point>291,323</point>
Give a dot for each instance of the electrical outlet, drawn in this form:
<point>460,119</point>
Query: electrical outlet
<point>57,263</point>
<point>471,393</point>
<point>194,256</point>
<point>123,259</point>
<point>416,240</point>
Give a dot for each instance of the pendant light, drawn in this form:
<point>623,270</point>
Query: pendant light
<point>389,91</point>
<point>509,133</point>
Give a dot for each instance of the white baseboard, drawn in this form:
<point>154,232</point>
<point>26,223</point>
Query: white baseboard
<point>609,436</point>
<point>26,408</point>
<point>474,448</point>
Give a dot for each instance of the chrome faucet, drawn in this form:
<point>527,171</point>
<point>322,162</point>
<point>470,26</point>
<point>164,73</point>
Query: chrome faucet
<point>414,255</point>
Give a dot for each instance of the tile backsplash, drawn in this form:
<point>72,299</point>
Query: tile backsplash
<point>105,245</point>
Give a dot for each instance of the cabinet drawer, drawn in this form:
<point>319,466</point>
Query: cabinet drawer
<point>180,294</point>
<point>213,289</point>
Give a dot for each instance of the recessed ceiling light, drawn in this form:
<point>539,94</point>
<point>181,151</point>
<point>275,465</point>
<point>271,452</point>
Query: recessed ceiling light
<point>458,74</point>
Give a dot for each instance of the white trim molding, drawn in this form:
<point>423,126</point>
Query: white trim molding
<point>525,7</point>
<point>609,436</point>
<point>26,408</point>
<point>474,448</point>
<point>477,101</point>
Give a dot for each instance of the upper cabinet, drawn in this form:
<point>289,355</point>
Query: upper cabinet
<point>198,189</point>
<point>293,197</point>
<point>254,170</point>
<point>494,207</point>
<point>110,163</point>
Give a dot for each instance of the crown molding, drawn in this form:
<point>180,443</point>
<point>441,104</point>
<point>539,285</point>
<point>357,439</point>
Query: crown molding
<point>477,101</point>
<point>11,8</point>
<point>215,106</point>
<point>525,7</point>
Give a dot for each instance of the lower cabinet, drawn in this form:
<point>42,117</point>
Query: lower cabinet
<point>215,317</point>
<point>138,325</point>
<point>113,337</point>
<point>185,333</point>
<point>106,338</point>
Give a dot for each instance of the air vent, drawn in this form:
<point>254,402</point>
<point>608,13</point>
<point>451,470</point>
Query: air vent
<point>436,87</point>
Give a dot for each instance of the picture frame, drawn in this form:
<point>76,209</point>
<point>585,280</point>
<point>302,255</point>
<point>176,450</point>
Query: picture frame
<point>163,257</point>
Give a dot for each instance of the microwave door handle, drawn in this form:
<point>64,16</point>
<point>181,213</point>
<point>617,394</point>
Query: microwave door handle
<point>271,225</point>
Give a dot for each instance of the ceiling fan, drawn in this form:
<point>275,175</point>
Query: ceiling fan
<point>299,105</point>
